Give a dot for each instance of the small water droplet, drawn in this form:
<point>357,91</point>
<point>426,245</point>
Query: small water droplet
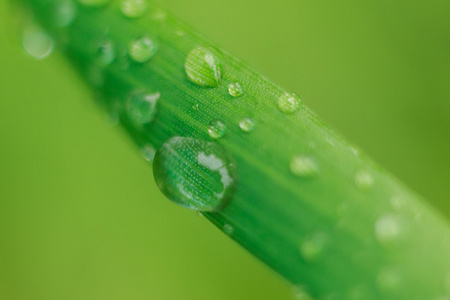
<point>148,152</point>
<point>65,12</point>
<point>235,89</point>
<point>228,229</point>
<point>105,53</point>
<point>300,293</point>
<point>247,124</point>
<point>389,279</point>
<point>94,3</point>
<point>37,42</point>
<point>313,246</point>
<point>389,228</point>
<point>303,166</point>
<point>363,180</point>
<point>194,173</point>
<point>143,49</point>
<point>159,15</point>
<point>204,67</point>
<point>133,8</point>
<point>142,106</point>
<point>289,103</point>
<point>217,129</point>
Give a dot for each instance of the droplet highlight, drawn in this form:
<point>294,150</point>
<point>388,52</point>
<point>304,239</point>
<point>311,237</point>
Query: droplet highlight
<point>133,8</point>
<point>235,89</point>
<point>247,124</point>
<point>37,42</point>
<point>204,67</point>
<point>217,129</point>
<point>194,173</point>
<point>303,166</point>
<point>143,49</point>
<point>289,103</point>
<point>389,228</point>
<point>142,106</point>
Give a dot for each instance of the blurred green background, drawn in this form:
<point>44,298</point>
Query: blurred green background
<point>80,215</point>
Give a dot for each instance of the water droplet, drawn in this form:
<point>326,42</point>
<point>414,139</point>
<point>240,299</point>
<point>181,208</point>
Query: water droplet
<point>133,8</point>
<point>159,15</point>
<point>194,173</point>
<point>217,129</point>
<point>389,228</point>
<point>65,12</point>
<point>303,166</point>
<point>204,67</point>
<point>143,49</point>
<point>289,103</point>
<point>389,279</point>
<point>247,124</point>
<point>93,3</point>
<point>148,152</point>
<point>300,293</point>
<point>105,53</point>
<point>37,42</point>
<point>314,245</point>
<point>142,106</point>
<point>228,229</point>
<point>363,180</point>
<point>235,89</point>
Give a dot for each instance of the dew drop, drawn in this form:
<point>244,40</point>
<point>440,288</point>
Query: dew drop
<point>37,42</point>
<point>217,129</point>
<point>133,8</point>
<point>148,152</point>
<point>303,166</point>
<point>65,12</point>
<point>105,53</point>
<point>204,67</point>
<point>194,173</point>
<point>143,49</point>
<point>289,103</point>
<point>313,246</point>
<point>235,89</point>
<point>363,180</point>
<point>94,3</point>
<point>300,293</point>
<point>228,229</point>
<point>389,228</point>
<point>142,106</point>
<point>247,124</point>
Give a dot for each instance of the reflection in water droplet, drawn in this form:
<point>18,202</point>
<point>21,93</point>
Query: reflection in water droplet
<point>65,12</point>
<point>300,293</point>
<point>133,8</point>
<point>148,152</point>
<point>235,89</point>
<point>389,228</point>
<point>143,49</point>
<point>217,129</point>
<point>105,53</point>
<point>289,103</point>
<point>303,166</point>
<point>228,229</point>
<point>93,3</point>
<point>363,180</point>
<point>204,67</point>
<point>142,106</point>
<point>37,42</point>
<point>247,124</point>
<point>194,173</point>
<point>313,246</point>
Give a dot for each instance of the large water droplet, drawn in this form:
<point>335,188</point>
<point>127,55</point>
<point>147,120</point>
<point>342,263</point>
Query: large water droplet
<point>37,42</point>
<point>204,67</point>
<point>303,166</point>
<point>65,12</point>
<point>389,228</point>
<point>93,3</point>
<point>217,129</point>
<point>105,53</point>
<point>289,103</point>
<point>194,173</point>
<point>143,49</point>
<point>314,245</point>
<point>133,8</point>
<point>235,89</point>
<point>363,180</point>
<point>142,106</point>
<point>247,124</point>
